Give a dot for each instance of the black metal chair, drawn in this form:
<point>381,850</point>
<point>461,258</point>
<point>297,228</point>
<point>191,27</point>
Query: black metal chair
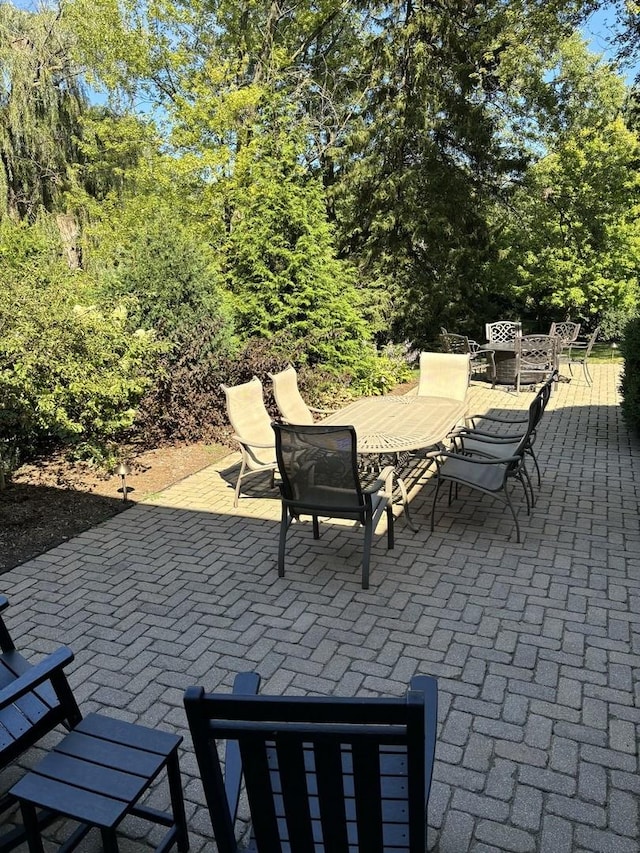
<point>461,344</point>
<point>536,358</point>
<point>34,700</point>
<point>578,353</point>
<point>498,435</point>
<point>322,774</point>
<point>487,473</point>
<point>318,467</point>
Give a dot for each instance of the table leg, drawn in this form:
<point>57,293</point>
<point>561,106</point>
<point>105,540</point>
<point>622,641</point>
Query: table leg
<point>177,802</point>
<point>405,503</point>
<point>31,828</point>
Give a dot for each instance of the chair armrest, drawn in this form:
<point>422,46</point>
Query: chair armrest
<point>495,419</point>
<point>384,478</point>
<point>476,460</point>
<point>46,670</point>
<point>322,411</point>
<point>245,684</point>
<point>483,435</point>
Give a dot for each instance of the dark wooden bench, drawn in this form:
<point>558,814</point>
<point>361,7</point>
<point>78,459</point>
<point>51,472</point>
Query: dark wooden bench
<point>34,699</point>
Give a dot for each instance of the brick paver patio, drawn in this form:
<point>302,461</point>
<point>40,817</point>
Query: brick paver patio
<point>535,645</point>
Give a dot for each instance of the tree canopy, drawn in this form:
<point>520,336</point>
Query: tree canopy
<point>322,178</point>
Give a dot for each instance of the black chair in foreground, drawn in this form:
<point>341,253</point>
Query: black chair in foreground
<point>34,699</point>
<point>95,775</point>
<point>319,477</point>
<point>322,774</point>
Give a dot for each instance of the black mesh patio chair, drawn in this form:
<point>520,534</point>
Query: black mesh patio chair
<point>291,405</point>
<point>319,470</point>
<point>34,700</point>
<point>509,429</point>
<point>322,774</point>
<point>489,474</point>
<point>536,359</point>
<point>479,358</point>
<point>578,353</point>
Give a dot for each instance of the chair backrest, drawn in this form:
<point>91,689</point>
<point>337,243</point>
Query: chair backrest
<point>322,774</point>
<point>592,340</point>
<point>34,699</point>
<point>455,343</point>
<point>247,412</point>
<point>547,389</point>
<point>292,407</point>
<point>567,332</point>
<point>319,467</point>
<point>536,352</point>
<point>536,411</point>
<point>503,331</point>
<point>444,375</point>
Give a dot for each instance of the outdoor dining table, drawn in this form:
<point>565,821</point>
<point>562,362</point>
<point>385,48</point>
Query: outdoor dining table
<point>394,425</point>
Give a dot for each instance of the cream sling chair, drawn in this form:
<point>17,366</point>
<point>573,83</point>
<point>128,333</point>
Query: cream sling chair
<point>291,406</point>
<point>444,374</point>
<point>252,427</point>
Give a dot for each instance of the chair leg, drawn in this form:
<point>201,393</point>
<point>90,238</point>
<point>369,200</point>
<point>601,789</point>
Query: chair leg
<point>236,494</point>
<point>528,483</point>
<point>390,522</point>
<point>366,556</point>
<point>587,375</point>
<point>435,498</point>
<point>537,467</point>
<point>316,527</point>
<point>513,513</point>
<point>284,525</point>
<point>525,487</point>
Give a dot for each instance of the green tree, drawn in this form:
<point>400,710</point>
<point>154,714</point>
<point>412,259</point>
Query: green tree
<point>41,100</point>
<point>573,243</point>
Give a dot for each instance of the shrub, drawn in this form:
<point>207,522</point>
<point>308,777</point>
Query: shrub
<point>70,370</point>
<point>630,386</point>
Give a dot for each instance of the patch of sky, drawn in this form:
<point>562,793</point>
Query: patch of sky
<point>600,31</point>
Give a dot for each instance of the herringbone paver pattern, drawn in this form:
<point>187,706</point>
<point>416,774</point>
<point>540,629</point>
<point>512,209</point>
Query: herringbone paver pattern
<point>535,645</point>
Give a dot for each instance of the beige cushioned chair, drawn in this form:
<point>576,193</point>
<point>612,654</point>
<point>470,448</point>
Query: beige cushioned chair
<point>252,427</point>
<point>291,406</point>
<point>444,374</point>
